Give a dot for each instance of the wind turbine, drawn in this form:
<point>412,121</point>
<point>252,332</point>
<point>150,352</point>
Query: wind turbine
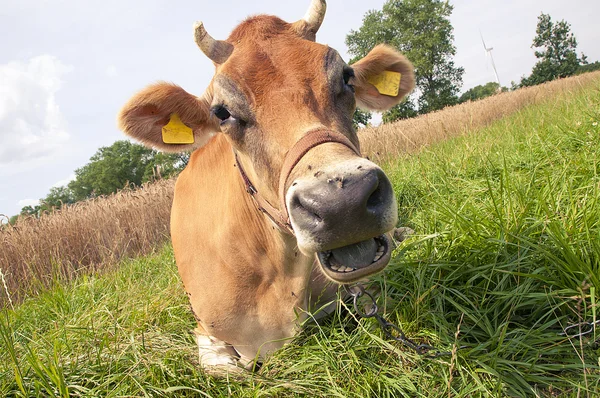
<point>488,51</point>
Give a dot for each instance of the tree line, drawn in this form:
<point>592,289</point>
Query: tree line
<point>120,165</point>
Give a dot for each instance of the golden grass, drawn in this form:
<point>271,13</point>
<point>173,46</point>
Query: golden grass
<point>82,238</point>
<point>94,235</point>
<point>391,140</point>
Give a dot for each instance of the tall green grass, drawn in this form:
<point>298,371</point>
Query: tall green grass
<point>505,256</point>
<point>512,216</point>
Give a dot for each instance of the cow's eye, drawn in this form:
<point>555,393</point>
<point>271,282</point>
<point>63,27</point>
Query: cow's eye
<point>348,74</point>
<point>221,112</point>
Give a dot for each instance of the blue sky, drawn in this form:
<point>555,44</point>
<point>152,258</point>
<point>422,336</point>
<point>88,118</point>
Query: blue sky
<point>67,66</point>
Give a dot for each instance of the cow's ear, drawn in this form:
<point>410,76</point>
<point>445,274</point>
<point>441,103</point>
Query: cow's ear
<point>166,117</point>
<point>382,79</point>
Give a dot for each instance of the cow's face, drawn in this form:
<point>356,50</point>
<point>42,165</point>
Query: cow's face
<point>273,84</point>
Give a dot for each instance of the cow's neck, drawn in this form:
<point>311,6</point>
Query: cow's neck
<point>255,253</point>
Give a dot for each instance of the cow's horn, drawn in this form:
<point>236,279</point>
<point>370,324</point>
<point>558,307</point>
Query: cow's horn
<point>315,15</point>
<point>216,50</point>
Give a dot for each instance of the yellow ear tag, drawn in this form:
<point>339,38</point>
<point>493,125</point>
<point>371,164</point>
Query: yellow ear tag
<point>175,132</point>
<point>387,83</point>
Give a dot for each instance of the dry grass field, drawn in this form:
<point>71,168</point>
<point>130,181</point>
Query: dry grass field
<point>82,238</point>
<point>94,235</point>
<point>391,140</point>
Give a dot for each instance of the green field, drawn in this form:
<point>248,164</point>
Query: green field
<point>506,255</point>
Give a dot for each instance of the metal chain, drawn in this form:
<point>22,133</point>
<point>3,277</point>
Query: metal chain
<point>582,329</point>
<point>393,331</point>
<point>390,330</point>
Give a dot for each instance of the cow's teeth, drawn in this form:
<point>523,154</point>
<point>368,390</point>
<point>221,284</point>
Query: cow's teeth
<point>377,257</point>
<point>335,267</point>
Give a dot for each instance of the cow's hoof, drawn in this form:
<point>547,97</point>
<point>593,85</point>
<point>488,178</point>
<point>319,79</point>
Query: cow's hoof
<point>402,233</point>
<point>216,356</point>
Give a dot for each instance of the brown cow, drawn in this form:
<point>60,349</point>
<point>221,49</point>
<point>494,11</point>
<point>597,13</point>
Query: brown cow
<point>276,179</point>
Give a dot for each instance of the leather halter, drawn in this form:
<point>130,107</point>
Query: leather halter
<point>310,140</point>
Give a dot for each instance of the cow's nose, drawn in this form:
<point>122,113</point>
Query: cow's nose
<point>334,205</point>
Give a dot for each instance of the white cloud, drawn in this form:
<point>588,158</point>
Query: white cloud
<point>28,202</point>
<point>32,127</point>
<point>64,182</point>
<point>111,71</point>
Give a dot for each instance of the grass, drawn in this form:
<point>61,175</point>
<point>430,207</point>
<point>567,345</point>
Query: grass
<point>506,255</point>
<point>513,247</point>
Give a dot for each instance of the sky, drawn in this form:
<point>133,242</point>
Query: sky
<point>67,66</point>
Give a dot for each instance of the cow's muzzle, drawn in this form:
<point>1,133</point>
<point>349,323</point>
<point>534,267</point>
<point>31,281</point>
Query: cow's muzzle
<point>344,206</point>
<point>342,214</point>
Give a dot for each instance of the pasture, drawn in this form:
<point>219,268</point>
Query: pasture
<point>504,202</point>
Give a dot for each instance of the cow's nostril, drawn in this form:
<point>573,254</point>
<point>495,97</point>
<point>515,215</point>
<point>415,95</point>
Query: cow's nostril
<point>375,199</point>
<point>380,193</point>
<point>307,207</point>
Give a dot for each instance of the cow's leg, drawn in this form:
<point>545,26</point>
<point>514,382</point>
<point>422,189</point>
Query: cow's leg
<point>217,354</point>
<point>214,352</point>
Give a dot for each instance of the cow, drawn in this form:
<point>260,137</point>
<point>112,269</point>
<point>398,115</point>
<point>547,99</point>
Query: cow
<point>276,207</point>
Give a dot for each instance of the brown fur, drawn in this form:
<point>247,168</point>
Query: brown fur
<point>148,111</point>
<point>381,58</point>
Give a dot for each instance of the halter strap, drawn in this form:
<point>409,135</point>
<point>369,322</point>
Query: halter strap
<point>310,140</point>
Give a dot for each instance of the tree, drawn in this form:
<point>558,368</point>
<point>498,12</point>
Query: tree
<point>404,110</point>
<point>594,66</point>
<point>165,165</point>
<point>110,169</point>
<point>57,197</point>
<point>481,91</point>
<point>30,210</point>
<point>557,55</point>
<point>421,29</point>
<point>123,164</point>
<point>360,119</point>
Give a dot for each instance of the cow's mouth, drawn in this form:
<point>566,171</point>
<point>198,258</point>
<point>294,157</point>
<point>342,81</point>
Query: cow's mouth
<point>350,263</point>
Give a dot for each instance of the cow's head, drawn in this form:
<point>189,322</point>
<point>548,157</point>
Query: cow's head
<point>274,85</point>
